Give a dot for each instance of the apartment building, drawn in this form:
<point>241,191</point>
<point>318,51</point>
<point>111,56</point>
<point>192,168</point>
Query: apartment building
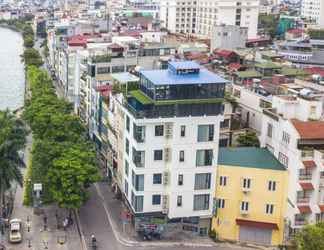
<point>165,145</point>
<point>100,60</point>
<point>293,131</point>
<point>200,16</point>
<point>251,193</point>
<point>313,10</point>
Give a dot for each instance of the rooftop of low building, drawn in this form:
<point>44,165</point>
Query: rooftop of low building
<point>250,157</point>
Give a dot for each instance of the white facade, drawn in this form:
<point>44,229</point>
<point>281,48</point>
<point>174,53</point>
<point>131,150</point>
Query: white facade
<point>170,167</point>
<point>199,16</point>
<point>251,105</point>
<point>313,10</point>
<point>281,137</point>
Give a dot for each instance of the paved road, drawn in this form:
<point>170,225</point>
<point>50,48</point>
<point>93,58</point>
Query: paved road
<point>94,221</point>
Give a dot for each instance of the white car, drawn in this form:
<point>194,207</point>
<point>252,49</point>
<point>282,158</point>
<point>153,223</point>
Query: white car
<point>15,231</point>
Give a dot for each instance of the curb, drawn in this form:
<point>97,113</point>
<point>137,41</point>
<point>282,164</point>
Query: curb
<point>82,239</point>
<point>122,240</point>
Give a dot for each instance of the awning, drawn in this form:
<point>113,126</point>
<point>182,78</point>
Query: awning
<point>258,224</point>
<point>321,207</point>
<point>306,185</point>
<point>309,164</point>
<point>304,209</point>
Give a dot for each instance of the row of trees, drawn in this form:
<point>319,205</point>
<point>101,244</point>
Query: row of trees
<point>12,140</point>
<point>63,160</point>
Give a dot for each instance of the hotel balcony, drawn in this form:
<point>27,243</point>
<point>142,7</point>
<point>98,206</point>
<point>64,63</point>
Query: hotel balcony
<point>303,200</point>
<point>305,177</point>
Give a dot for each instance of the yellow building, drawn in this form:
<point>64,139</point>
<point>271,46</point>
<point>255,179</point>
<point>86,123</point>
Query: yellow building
<point>251,196</point>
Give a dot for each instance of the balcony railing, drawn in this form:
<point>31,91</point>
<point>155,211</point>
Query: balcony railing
<point>300,222</point>
<point>305,177</point>
<point>303,200</point>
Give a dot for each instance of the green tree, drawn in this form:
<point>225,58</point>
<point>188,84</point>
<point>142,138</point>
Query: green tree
<point>311,237</point>
<point>12,140</point>
<point>31,57</point>
<point>248,139</point>
<point>29,41</point>
<point>71,175</point>
<point>269,23</point>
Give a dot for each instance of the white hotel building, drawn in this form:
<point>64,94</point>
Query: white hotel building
<point>313,10</point>
<point>165,153</point>
<point>198,17</point>
<point>294,132</point>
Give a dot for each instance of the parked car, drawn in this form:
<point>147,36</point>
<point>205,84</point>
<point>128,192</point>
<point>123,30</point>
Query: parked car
<point>15,231</point>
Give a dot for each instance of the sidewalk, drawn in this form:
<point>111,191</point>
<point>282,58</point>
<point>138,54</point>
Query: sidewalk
<point>126,234</point>
<point>34,235</point>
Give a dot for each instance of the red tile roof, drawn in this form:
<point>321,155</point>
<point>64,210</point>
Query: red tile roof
<point>78,41</point>
<point>234,66</point>
<point>309,164</point>
<point>315,71</point>
<point>225,53</point>
<point>321,207</point>
<point>304,209</point>
<point>258,224</point>
<point>306,185</point>
<point>296,31</point>
<point>309,129</point>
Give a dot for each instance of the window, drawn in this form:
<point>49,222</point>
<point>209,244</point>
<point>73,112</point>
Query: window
<point>221,203</point>
<point>272,186</point>
<point>139,182</point>
<point>137,202</point>
<point>139,133</point>
<point>246,183</point>
<point>222,180</point>
<point>156,199</point>
<point>205,133</point>
<point>157,178</point>
<point>126,188</point>
<point>183,131</point>
<point>244,206</point>
<point>181,156</point>
<point>204,157</point>
<point>283,159</point>
<point>225,123</point>
<point>180,179</point>
<point>179,201</point>
<point>127,146</point>
<point>138,158</point>
<point>269,130</point>
<point>158,155</point>
<point>285,137</point>
<point>269,208</point>
<point>127,123</point>
<point>159,130</point>
<point>201,202</point>
<point>202,181</point>
<point>126,168</point>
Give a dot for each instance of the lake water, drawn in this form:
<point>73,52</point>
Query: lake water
<point>12,76</point>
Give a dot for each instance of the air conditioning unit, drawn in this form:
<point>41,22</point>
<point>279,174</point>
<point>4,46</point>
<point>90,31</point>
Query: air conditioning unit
<point>246,190</point>
<point>167,154</point>
<point>168,130</point>
<point>165,204</point>
<point>166,177</point>
<point>244,212</point>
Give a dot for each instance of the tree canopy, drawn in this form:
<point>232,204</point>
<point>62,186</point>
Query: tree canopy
<point>62,158</point>
<point>311,237</point>
<point>248,139</point>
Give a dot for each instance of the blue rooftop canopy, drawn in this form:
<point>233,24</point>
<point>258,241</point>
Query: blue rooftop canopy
<point>166,77</point>
<point>184,65</point>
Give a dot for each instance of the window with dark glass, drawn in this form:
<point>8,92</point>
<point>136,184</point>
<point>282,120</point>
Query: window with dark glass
<point>204,157</point>
<point>159,129</point>
<point>158,155</point>
<point>181,156</point>
<point>157,178</point>
<point>183,131</point>
<point>156,199</point>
